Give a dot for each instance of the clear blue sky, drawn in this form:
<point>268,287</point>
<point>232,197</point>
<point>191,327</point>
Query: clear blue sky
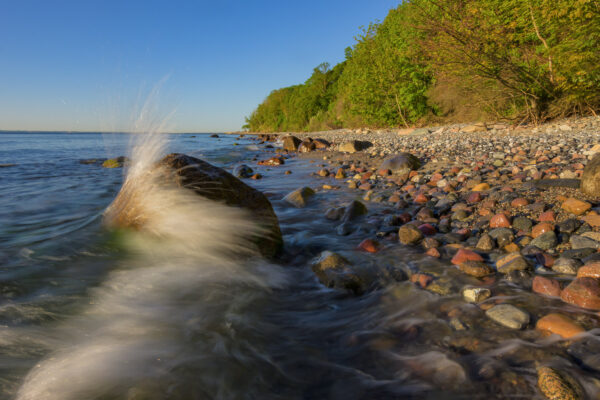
<point>84,65</point>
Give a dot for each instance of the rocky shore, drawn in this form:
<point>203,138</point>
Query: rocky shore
<point>506,210</point>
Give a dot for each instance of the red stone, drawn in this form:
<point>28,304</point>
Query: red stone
<point>365,186</point>
<point>421,279</point>
<point>474,197</point>
<point>421,198</point>
<point>384,172</point>
<point>591,270</point>
<point>541,228</point>
<point>433,252</point>
<point>547,216</point>
<point>499,221</point>
<point>583,292</point>
<point>272,161</point>
<point>520,202</point>
<point>546,286</point>
<point>369,245</point>
<point>427,229</point>
<point>463,255</point>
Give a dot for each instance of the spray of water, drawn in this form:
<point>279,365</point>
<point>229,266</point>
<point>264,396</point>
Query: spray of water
<point>175,307</point>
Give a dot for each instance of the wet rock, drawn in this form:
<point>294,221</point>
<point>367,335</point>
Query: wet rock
<point>546,286</point>
<point>307,146</point>
<point>345,229</point>
<point>590,180</point>
<point>522,223</point>
<point>545,241</point>
<point>512,262</point>
<point>476,294</point>
<point>214,135</point>
<point>243,171</point>
<point>477,269</point>
<point>463,255</point>
<point>401,163</point>
<point>590,270</point>
<point>499,221</point>
<point>541,228</point>
<point>508,316</point>
<point>568,266</point>
<point>202,178</point>
<point>557,385</point>
<point>569,225</point>
<point>583,292</point>
<point>369,245</point>
<point>334,271</point>
<point>485,243</point>
<point>503,236</point>
<point>559,324</point>
<point>272,162</point>
<point>575,206</point>
<point>115,162</point>
<point>354,210</point>
<point>299,197</point>
<point>587,352</point>
<point>409,234</point>
<point>334,213</point>
<point>582,242</point>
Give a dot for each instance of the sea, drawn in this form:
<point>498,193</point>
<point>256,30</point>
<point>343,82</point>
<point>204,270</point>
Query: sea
<point>89,313</point>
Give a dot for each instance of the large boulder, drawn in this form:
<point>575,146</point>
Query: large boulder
<point>590,180</point>
<point>401,163</point>
<point>215,184</point>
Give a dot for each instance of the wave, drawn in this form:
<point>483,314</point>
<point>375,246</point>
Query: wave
<point>180,303</point>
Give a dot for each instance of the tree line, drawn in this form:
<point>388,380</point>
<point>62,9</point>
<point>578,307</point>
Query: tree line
<point>441,61</point>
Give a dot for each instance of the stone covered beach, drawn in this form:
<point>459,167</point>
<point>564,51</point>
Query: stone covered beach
<point>502,224</point>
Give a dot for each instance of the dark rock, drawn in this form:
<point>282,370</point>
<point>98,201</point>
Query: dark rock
<point>291,143</point>
<point>212,183</point>
<point>545,241</point>
<point>564,265</point>
<point>401,163</point>
<point>409,234</point>
<point>582,242</point>
<point>522,223</point>
<point>335,271</point>
<point>569,225</point>
<point>503,236</point>
<point>243,171</point>
<point>115,162</point>
<point>334,213</point>
<point>354,210</point>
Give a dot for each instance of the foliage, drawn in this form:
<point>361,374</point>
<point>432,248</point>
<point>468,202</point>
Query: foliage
<point>521,60</point>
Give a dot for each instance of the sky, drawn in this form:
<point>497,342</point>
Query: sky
<point>87,65</point>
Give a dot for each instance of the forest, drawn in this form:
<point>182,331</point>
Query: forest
<point>445,61</point>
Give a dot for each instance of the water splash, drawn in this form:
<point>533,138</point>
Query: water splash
<point>174,307</point>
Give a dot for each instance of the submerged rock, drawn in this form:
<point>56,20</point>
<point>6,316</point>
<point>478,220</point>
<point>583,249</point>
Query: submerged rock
<point>299,197</point>
<point>556,385</point>
<point>508,315</point>
<point>210,182</point>
<point>334,271</point>
<point>115,162</point>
